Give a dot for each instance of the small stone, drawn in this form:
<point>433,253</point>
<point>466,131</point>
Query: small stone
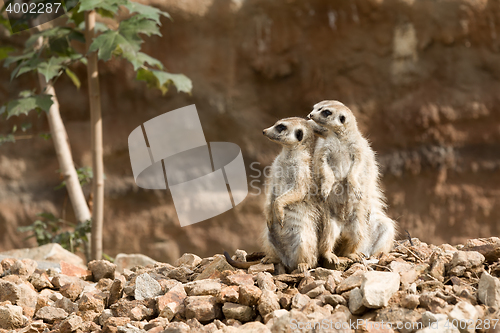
<point>72,290</point>
<point>378,287</point>
<point>253,327</point>
<point>11,317</point>
<point>128,261</point>
<point>488,290</point>
<point>335,300</point>
<point>135,310</point>
<point>188,259</point>
<point>146,287</point>
<point>249,295</point>
<point>203,288</point>
<point>239,312</point>
<point>40,281</point>
<point>181,274</point>
<point>107,313</point>
<point>91,302</point>
<point>299,301</point>
<point>157,322</point>
<point>50,314</point>
<point>203,308</point>
<point>111,325</point>
<point>66,304</point>
<point>289,322</point>
<point>319,290</point>
<point>240,279</point>
<point>76,271</point>
<point>71,324</point>
<point>410,301</point>
<point>356,305</point>
<point>351,282</point>
<point>285,299</point>
<point>466,313</point>
<point>218,265</point>
<point>268,302</point>
<point>115,291</point>
<point>177,327</point>
<point>265,281</point>
<point>229,294</point>
<point>172,302</point>
<point>431,303</point>
<point>24,267</point>
<point>261,268</point>
<point>468,259</point>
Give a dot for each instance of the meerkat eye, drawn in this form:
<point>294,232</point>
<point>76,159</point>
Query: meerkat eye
<point>299,134</point>
<point>321,108</point>
<point>280,128</point>
<point>326,113</point>
<point>342,118</point>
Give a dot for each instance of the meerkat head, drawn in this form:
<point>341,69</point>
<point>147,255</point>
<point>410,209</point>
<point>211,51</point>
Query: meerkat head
<point>333,115</point>
<point>290,132</point>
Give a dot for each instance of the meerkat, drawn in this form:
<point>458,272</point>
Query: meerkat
<point>292,218</point>
<point>354,223</point>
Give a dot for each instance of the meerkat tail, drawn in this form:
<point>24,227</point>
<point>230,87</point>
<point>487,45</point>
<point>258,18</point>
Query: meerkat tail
<point>239,264</point>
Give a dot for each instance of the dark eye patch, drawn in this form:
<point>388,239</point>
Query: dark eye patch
<point>280,128</point>
<point>342,118</point>
<point>326,113</point>
<point>299,134</point>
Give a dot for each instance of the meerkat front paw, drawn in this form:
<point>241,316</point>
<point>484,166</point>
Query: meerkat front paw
<point>355,188</point>
<point>279,212</point>
<point>356,257</point>
<point>303,267</point>
<point>331,258</point>
<point>270,260</point>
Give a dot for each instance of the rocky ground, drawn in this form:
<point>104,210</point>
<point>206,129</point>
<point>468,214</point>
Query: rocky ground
<point>415,288</point>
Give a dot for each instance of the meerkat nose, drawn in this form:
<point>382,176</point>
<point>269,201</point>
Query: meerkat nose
<point>308,117</point>
<point>264,132</point>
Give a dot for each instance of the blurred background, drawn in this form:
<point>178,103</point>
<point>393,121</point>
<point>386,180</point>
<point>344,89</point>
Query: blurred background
<point>422,77</point>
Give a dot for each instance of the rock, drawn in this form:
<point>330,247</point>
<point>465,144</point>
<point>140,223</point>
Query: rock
<point>249,295</point>
<point>464,312</point>
<point>188,259</point>
<point>410,301</point>
<point>488,290</point>
<point>293,321</point>
<point>128,328</point>
<point>240,279</point>
<point>91,302</point>
<point>52,252</point>
<point>128,261</point>
<point>74,270</point>
<point>356,305</point>
<point>180,274</point>
<point>146,287</point>
<point>265,281</point>
<point>172,302</point>
<point>378,287</point>
<point>299,301</point>
<point>102,269</point>
<point>350,283</point>
<point>239,312</point>
<point>107,313</point>
<point>203,288</point>
<point>72,290</point>
<point>468,259</point>
<point>218,265</point>
<point>229,294</point>
<point>11,317</point>
<point>50,314</point>
<point>431,303</point>
<point>261,268</point>
<point>253,327</point>
<point>24,267</point>
<point>135,309</point>
<point>157,322</point>
<point>115,291</point>
<point>22,294</point>
<point>71,324</point>
<point>406,321</point>
<point>111,325</point>
<point>177,327</point>
<point>436,323</point>
<point>203,308</point>
<point>268,302</point>
<point>335,300</point>
<point>66,304</point>
<point>40,281</point>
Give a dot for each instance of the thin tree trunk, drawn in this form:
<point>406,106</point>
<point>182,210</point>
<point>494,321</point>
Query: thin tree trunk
<point>96,133</point>
<point>64,157</point>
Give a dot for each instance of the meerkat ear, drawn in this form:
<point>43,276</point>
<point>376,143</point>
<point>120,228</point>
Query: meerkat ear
<point>299,134</point>
<point>342,119</point>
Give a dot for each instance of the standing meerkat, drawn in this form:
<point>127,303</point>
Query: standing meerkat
<point>292,218</point>
<point>354,221</point>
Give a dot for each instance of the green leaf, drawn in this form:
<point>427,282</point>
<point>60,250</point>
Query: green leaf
<point>7,139</point>
<point>73,77</point>
<point>132,27</point>
<point>26,104</point>
<point>4,52</point>
<point>161,80</point>
<point>51,68</point>
<point>146,11</point>
<point>12,59</point>
<point>110,5</point>
<point>139,59</point>
<point>105,44</point>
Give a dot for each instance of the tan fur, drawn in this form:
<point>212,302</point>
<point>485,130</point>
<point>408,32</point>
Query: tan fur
<point>292,218</point>
<point>354,223</point>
